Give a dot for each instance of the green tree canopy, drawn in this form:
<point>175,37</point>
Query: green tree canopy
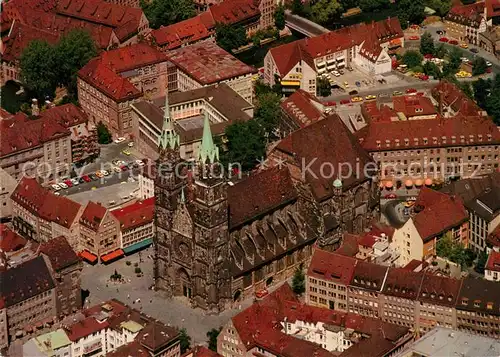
<point>481,262</point>
<point>412,58</point>
<point>493,104</point>
<point>410,12</point>
<point>267,113</point>
<point>73,52</point>
<point>432,69</point>
<point>212,338</point>
<point>185,340</point>
<point>230,37</point>
<point>479,66</point>
<point>39,68</point>
<point>440,6</point>
<point>373,5</point>
<point>299,281</point>
<point>454,251</point>
<point>167,12</point>
<point>427,44</point>
<point>297,7</point>
<point>279,17</point>
<point>441,51</point>
<point>481,90</point>
<point>322,11</point>
<point>323,87</point>
<point>103,134</point>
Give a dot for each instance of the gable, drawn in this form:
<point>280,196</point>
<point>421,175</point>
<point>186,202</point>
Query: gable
<point>182,222</point>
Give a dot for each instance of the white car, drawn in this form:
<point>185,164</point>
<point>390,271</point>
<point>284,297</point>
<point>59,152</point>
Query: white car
<point>488,63</point>
<point>464,59</point>
<point>131,144</point>
<point>336,74</point>
<point>55,187</point>
<point>120,140</point>
<point>139,162</point>
<point>117,169</point>
<point>62,185</point>
<point>105,173</point>
<point>75,182</point>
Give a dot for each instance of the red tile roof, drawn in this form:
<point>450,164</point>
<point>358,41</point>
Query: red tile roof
<point>59,252</point>
<point>350,246</point>
<point>67,115</point>
<point>130,57</point>
<point>493,262</point>
<point>369,276</point>
<point>93,215</point>
<point>20,37</point>
<point>325,142</point>
<point>234,11</point>
<point>156,335</point>
<point>301,108</point>
<point>438,215</point>
<point>207,63</point>
<point>373,113</point>
<point>413,105</point>
<point>439,290</point>
<point>258,194</point>
<point>470,14</point>
<point>451,95</point>
<point>372,35</point>
<point>403,283</point>
<point>104,79</point>
<point>85,328</point>
<point>131,349</point>
<point>9,240</point>
<point>332,267</point>
<point>44,203</point>
<point>136,214</point>
<point>201,351</point>
<point>492,8</point>
<point>423,133</point>
<point>494,237</point>
<point>125,20</point>
<point>185,32</point>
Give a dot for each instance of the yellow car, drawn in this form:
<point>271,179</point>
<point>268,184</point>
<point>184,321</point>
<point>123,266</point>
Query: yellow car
<point>464,45</point>
<point>99,174</point>
<point>397,93</point>
<point>357,99</point>
<point>126,152</point>
<point>346,84</point>
<point>370,97</point>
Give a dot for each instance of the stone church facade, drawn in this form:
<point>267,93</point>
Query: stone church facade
<point>219,241</point>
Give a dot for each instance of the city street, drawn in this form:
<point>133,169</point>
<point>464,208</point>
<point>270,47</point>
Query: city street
<point>175,312</point>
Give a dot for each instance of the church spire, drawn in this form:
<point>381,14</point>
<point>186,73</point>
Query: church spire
<point>208,150</point>
<point>183,197</point>
<point>168,137</point>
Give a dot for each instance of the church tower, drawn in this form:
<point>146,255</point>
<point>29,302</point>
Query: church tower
<point>211,279</point>
<point>170,179</point>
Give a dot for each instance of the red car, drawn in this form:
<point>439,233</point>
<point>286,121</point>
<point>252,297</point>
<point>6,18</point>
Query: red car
<point>453,42</point>
<point>423,77</point>
<point>86,178</point>
<point>261,293</point>
<point>331,104</point>
<point>390,195</point>
<point>414,27</point>
<point>68,183</point>
<point>443,39</point>
<point>414,38</point>
<point>420,94</point>
<point>345,101</point>
<point>124,167</point>
<point>428,56</point>
<point>411,90</point>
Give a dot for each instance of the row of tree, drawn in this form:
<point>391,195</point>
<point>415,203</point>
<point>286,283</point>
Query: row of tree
<point>44,67</point>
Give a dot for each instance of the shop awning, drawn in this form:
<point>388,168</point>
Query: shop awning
<point>111,256</point>
<point>330,61</point>
<point>418,182</point>
<point>91,258</point>
<point>428,182</point>
<point>320,64</point>
<point>409,183</point>
<point>136,246</point>
<point>389,184</point>
<point>321,70</point>
<point>290,83</point>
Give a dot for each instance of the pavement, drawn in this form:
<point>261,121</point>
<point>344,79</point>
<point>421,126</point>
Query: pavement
<point>109,196</point>
<point>175,312</point>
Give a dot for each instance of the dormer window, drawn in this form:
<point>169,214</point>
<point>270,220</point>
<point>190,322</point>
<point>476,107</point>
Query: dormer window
<point>434,140</point>
<point>477,303</point>
<point>489,137</point>
<point>453,138</point>
<point>471,138</point>
<point>489,306</point>
<point>407,141</point>
<point>425,141</point>
<point>443,138</point>
<point>378,143</point>
<point>424,293</point>
<point>462,138</point>
<point>433,295</point>
<point>480,137</point>
<point>396,141</point>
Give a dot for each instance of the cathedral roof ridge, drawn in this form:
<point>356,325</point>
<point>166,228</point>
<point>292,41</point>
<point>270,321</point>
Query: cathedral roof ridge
<point>208,151</point>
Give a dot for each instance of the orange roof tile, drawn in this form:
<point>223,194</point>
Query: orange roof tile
<point>234,11</point>
<point>184,32</point>
<point>332,267</point>
<point>130,57</point>
<point>201,351</point>
<point>493,262</point>
<point>136,214</point>
<point>301,108</point>
<point>413,105</point>
<point>9,240</point>
<point>93,215</point>
<point>59,252</point>
<point>84,328</point>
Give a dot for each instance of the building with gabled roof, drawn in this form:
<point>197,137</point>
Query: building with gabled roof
<point>492,267</point>
<point>8,185</point>
<point>201,351</point>
<point>299,110</point>
<point>466,22</point>
<point>99,234</point>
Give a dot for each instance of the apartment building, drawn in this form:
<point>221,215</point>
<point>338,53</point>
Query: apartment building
<point>467,22</point>
<point>136,225</point>
<point>99,234</point>
<point>108,84</point>
<point>219,102</point>
<point>51,344</point>
<point>204,64</point>
<point>29,296</point>
<point>66,269</point>
<point>365,287</point>
<point>279,325</point>
<point>366,46</point>
<point>41,215</point>
<point>477,307</point>
<point>7,186</point>
<point>435,215</point>
<point>492,267</point>
<point>299,110</point>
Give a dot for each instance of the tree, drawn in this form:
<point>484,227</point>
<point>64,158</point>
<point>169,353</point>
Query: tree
<point>412,59</point>
<point>432,69</point>
<point>323,87</point>
<point>103,134</point>
<point>373,5</point>
<point>479,66</point>
<point>73,52</point>
<point>39,68</point>
<point>323,11</point>
<point>167,12</point>
<point>427,44</point>
<point>455,58</point>
<point>185,340</point>
<point>279,17</point>
<point>481,90</point>
<point>481,262</point>
<point>261,88</point>
<point>440,6</point>
<point>410,12</point>
<point>493,104</point>
<point>212,338</point>
<point>299,281</point>
<point>454,251</point>
<point>467,89</point>
<point>246,144</point>
<point>441,51</point>
<point>267,113</point>
<point>230,37</point>
<point>297,7</point>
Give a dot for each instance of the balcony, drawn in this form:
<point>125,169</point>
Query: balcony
<point>92,346</point>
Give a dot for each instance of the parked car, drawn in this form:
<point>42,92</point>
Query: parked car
<point>86,178</point>
<point>440,33</point>
<point>443,39</point>
<point>453,42</point>
<point>124,167</point>
<point>130,164</point>
<point>411,90</point>
<point>261,293</point>
<point>126,152</point>
<point>63,185</point>
<point>139,162</point>
<point>383,95</point>
<point>99,174</point>
<point>105,173</point>
<point>345,101</point>
<point>397,92</point>
<point>357,99</point>
<point>120,140</point>
<point>371,97</point>
<point>93,177</point>
<point>474,50</point>
<point>130,144</point>
<point>117,169</point>
<point>116,162</point>
<point>489,64</point>
<point>353,92</point>
<point>331,104</point>
<point>75,181</point>
<point>55,187</point>
<point>464,45</point>
<point>68,183</point>
<point>341,71</point>
<point>81,180</point>
<point>414,38</point>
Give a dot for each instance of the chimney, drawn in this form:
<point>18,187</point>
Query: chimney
<point>35,109</point>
